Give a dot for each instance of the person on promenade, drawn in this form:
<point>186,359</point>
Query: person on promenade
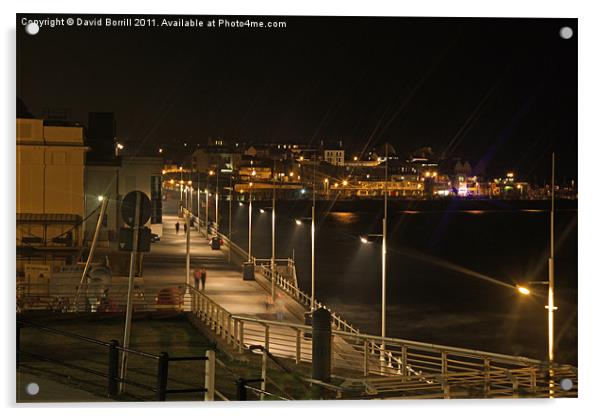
<point>177,227</point>
<point>203,277</point>
<point>185,228</point>
<point>197,278</point>
<point>279,304</point>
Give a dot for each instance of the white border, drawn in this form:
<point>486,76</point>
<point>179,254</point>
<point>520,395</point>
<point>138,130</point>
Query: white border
<point>590,111</point>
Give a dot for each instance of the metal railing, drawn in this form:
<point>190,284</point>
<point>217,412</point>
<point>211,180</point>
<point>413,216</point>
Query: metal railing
<point>108,297</point>
<point>161,361</point>
<point>398,364</point>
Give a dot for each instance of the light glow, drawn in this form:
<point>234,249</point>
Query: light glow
<point>523,290</point>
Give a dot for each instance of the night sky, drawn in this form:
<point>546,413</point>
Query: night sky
<point>501,93</point>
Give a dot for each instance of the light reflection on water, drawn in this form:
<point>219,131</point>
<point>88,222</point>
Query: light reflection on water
<point>347,218</point>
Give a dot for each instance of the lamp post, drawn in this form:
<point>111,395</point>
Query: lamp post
<point>273,259</point>
<point>230,221</point>
<point>217,197</point>
<point>181,188</point>
<point>198,206</point>
<point>551,307</point>
<point>384,258</point>
<point>207,212</point>
<point>250,218</point>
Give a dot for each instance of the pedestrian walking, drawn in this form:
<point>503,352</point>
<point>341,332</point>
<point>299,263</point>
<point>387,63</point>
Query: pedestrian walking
<point>185,228</point>
<point>279,304</point>
<point>203,277</point>
<point>197,278</point>
<point>177,227</point>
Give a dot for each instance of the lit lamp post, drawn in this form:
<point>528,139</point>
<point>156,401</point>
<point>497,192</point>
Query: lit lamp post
<point>207,212</point>
<point>365,240</point>
<point>551,307</point>
<point>273,259</point>
<point>181,182</point>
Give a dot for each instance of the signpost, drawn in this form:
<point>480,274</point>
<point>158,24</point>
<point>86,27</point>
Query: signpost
<point>135,210</point>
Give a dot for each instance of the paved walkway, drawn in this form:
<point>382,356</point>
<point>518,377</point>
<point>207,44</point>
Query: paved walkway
<point>166,263</point>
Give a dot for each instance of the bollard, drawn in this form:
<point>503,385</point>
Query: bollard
<point>112,384</point>
<point>248,270</point>
<point>210,376</point>
<point>162,370</point>
<point>321,345</point>
<point>241,390</point>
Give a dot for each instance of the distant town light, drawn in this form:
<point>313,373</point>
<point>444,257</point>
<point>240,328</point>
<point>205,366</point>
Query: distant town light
<point>120,146</point>
<point>189,182</point>
<point>336,185</point>
<point>302,191</point>
<point>291,174</point>
<point>240,204</point>
<point>326,180</point>
<point>355,158</point>
<point>253,173</point>
<point>101,198</point>
<point>345,183</point>
<point>180,168</point>
<point>510,175</point>
<point>163,172</point>
<point>160,150</point>
<point>301,158</point>
<point>172,181</point>
<point>211,172</point>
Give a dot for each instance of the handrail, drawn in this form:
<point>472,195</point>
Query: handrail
<point>428,346</point>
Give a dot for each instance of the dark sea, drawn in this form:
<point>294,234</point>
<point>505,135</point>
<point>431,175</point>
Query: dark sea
<point>451,267</point>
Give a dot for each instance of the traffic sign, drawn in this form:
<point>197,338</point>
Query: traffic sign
<point>128,208</point>
<point>126,239</point>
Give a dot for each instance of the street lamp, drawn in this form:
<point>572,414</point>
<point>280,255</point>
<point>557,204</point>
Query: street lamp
<point>365,240</point>
<point>523,290</point>
<point>551,307</point>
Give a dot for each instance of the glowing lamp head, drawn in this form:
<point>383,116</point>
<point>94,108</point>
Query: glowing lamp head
<point>101,198</point>
<point>298,222</point>
<point>345,183</point>
<point>261,210</point>
<point>523,290</point>
<point>364,240</point>
<point>240,204</point>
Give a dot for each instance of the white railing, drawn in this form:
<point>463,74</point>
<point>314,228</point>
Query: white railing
<point>403,365</point>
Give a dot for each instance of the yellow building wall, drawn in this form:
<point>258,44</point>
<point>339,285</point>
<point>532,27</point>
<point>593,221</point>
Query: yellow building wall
<point>50,168</point>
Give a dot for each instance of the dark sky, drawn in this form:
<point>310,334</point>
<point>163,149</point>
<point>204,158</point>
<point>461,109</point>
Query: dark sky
<point>500,92</point>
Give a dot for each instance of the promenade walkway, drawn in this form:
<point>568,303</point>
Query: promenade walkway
<point>166,263</point>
